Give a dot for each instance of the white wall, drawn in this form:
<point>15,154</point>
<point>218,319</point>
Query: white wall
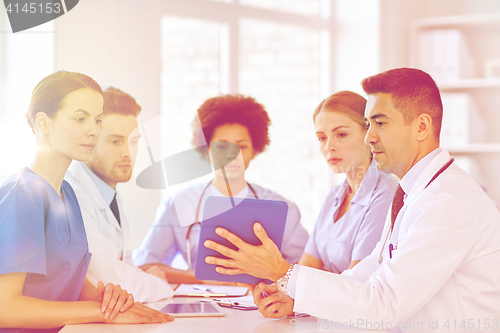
<point>396,16</point>
<point>482,41</point>
<point>358,43</point>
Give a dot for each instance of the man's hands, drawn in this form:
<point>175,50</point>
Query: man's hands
<point>113,299</point>
<point>276,305</point>
<point>263,261</point>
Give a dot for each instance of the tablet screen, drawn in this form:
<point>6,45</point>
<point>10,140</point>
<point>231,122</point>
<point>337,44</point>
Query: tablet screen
<point>238,219</point>
<point>192,310</point>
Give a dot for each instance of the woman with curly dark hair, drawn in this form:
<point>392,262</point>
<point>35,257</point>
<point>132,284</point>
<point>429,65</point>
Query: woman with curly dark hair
<point>234,119</point>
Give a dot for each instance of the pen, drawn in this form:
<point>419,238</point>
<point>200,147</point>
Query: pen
<point>202,288</point>
<point>263,294</point>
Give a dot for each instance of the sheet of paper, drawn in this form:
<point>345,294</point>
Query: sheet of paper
<point>245,301</point>
<point>207,289</point>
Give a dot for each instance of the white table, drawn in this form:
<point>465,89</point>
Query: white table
<point>235,321</point>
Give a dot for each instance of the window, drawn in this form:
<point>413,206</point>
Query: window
<point>286,55</point>
<point>190,74</point>
<point>25,58</point>
<point>301,7</point>
<point>280,66</point>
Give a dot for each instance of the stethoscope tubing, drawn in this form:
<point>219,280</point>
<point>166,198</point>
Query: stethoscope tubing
<point>389,232</point>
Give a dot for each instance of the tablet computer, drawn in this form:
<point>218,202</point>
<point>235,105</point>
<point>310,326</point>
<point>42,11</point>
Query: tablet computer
<point>195,309</point>
<point>239,220</point>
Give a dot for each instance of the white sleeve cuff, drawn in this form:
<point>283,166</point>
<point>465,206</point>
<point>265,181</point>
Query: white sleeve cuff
<point>292,282</point>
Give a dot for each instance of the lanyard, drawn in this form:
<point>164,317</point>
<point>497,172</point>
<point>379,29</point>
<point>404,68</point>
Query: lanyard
<point>389,233</point>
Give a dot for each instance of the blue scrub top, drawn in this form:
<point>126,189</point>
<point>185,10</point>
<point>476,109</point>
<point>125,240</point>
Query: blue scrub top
<point>355,234</point>
<point>43,236</point>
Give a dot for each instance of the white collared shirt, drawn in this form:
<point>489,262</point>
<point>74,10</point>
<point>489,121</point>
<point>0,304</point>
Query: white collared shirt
<point>445,268</point>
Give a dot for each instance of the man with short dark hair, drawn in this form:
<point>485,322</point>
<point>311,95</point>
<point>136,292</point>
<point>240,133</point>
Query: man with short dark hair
<point>106,225</point>
<point>437,263</point>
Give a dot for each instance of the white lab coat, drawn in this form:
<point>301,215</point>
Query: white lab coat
<point>111,259</point>
<point>446,265</point>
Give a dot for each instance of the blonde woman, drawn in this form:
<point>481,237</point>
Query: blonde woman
<point>42,238</point>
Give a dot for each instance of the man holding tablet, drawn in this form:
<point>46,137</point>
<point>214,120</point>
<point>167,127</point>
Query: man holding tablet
<point>437,263</point>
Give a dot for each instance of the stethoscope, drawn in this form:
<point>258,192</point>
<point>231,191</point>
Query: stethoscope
<point>188,242</point>
<point>389,232</point>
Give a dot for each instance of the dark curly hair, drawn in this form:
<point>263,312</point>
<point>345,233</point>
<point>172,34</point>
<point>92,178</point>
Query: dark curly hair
<point>231,109</point>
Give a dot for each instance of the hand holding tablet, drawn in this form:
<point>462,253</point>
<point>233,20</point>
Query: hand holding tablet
<point>233,234</point>
<point>258,261</point>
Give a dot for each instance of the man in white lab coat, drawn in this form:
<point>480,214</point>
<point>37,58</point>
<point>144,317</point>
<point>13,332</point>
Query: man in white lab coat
<point>106,225</point>
<point>437,265</point>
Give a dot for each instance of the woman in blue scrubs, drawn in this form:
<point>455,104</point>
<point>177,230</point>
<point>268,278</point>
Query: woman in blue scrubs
<point>350,222</point>
<point>44,252</point>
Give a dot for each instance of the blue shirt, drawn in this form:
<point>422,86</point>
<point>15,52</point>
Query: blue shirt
<point>107,192</point>
<point>355,234</point>
<point>43,236</point>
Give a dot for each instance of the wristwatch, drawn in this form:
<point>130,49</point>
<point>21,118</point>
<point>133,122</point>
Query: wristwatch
<point>283,281</point>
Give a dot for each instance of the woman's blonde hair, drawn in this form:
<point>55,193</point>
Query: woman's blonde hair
<point>49,93</point>
<point>345,102</point>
